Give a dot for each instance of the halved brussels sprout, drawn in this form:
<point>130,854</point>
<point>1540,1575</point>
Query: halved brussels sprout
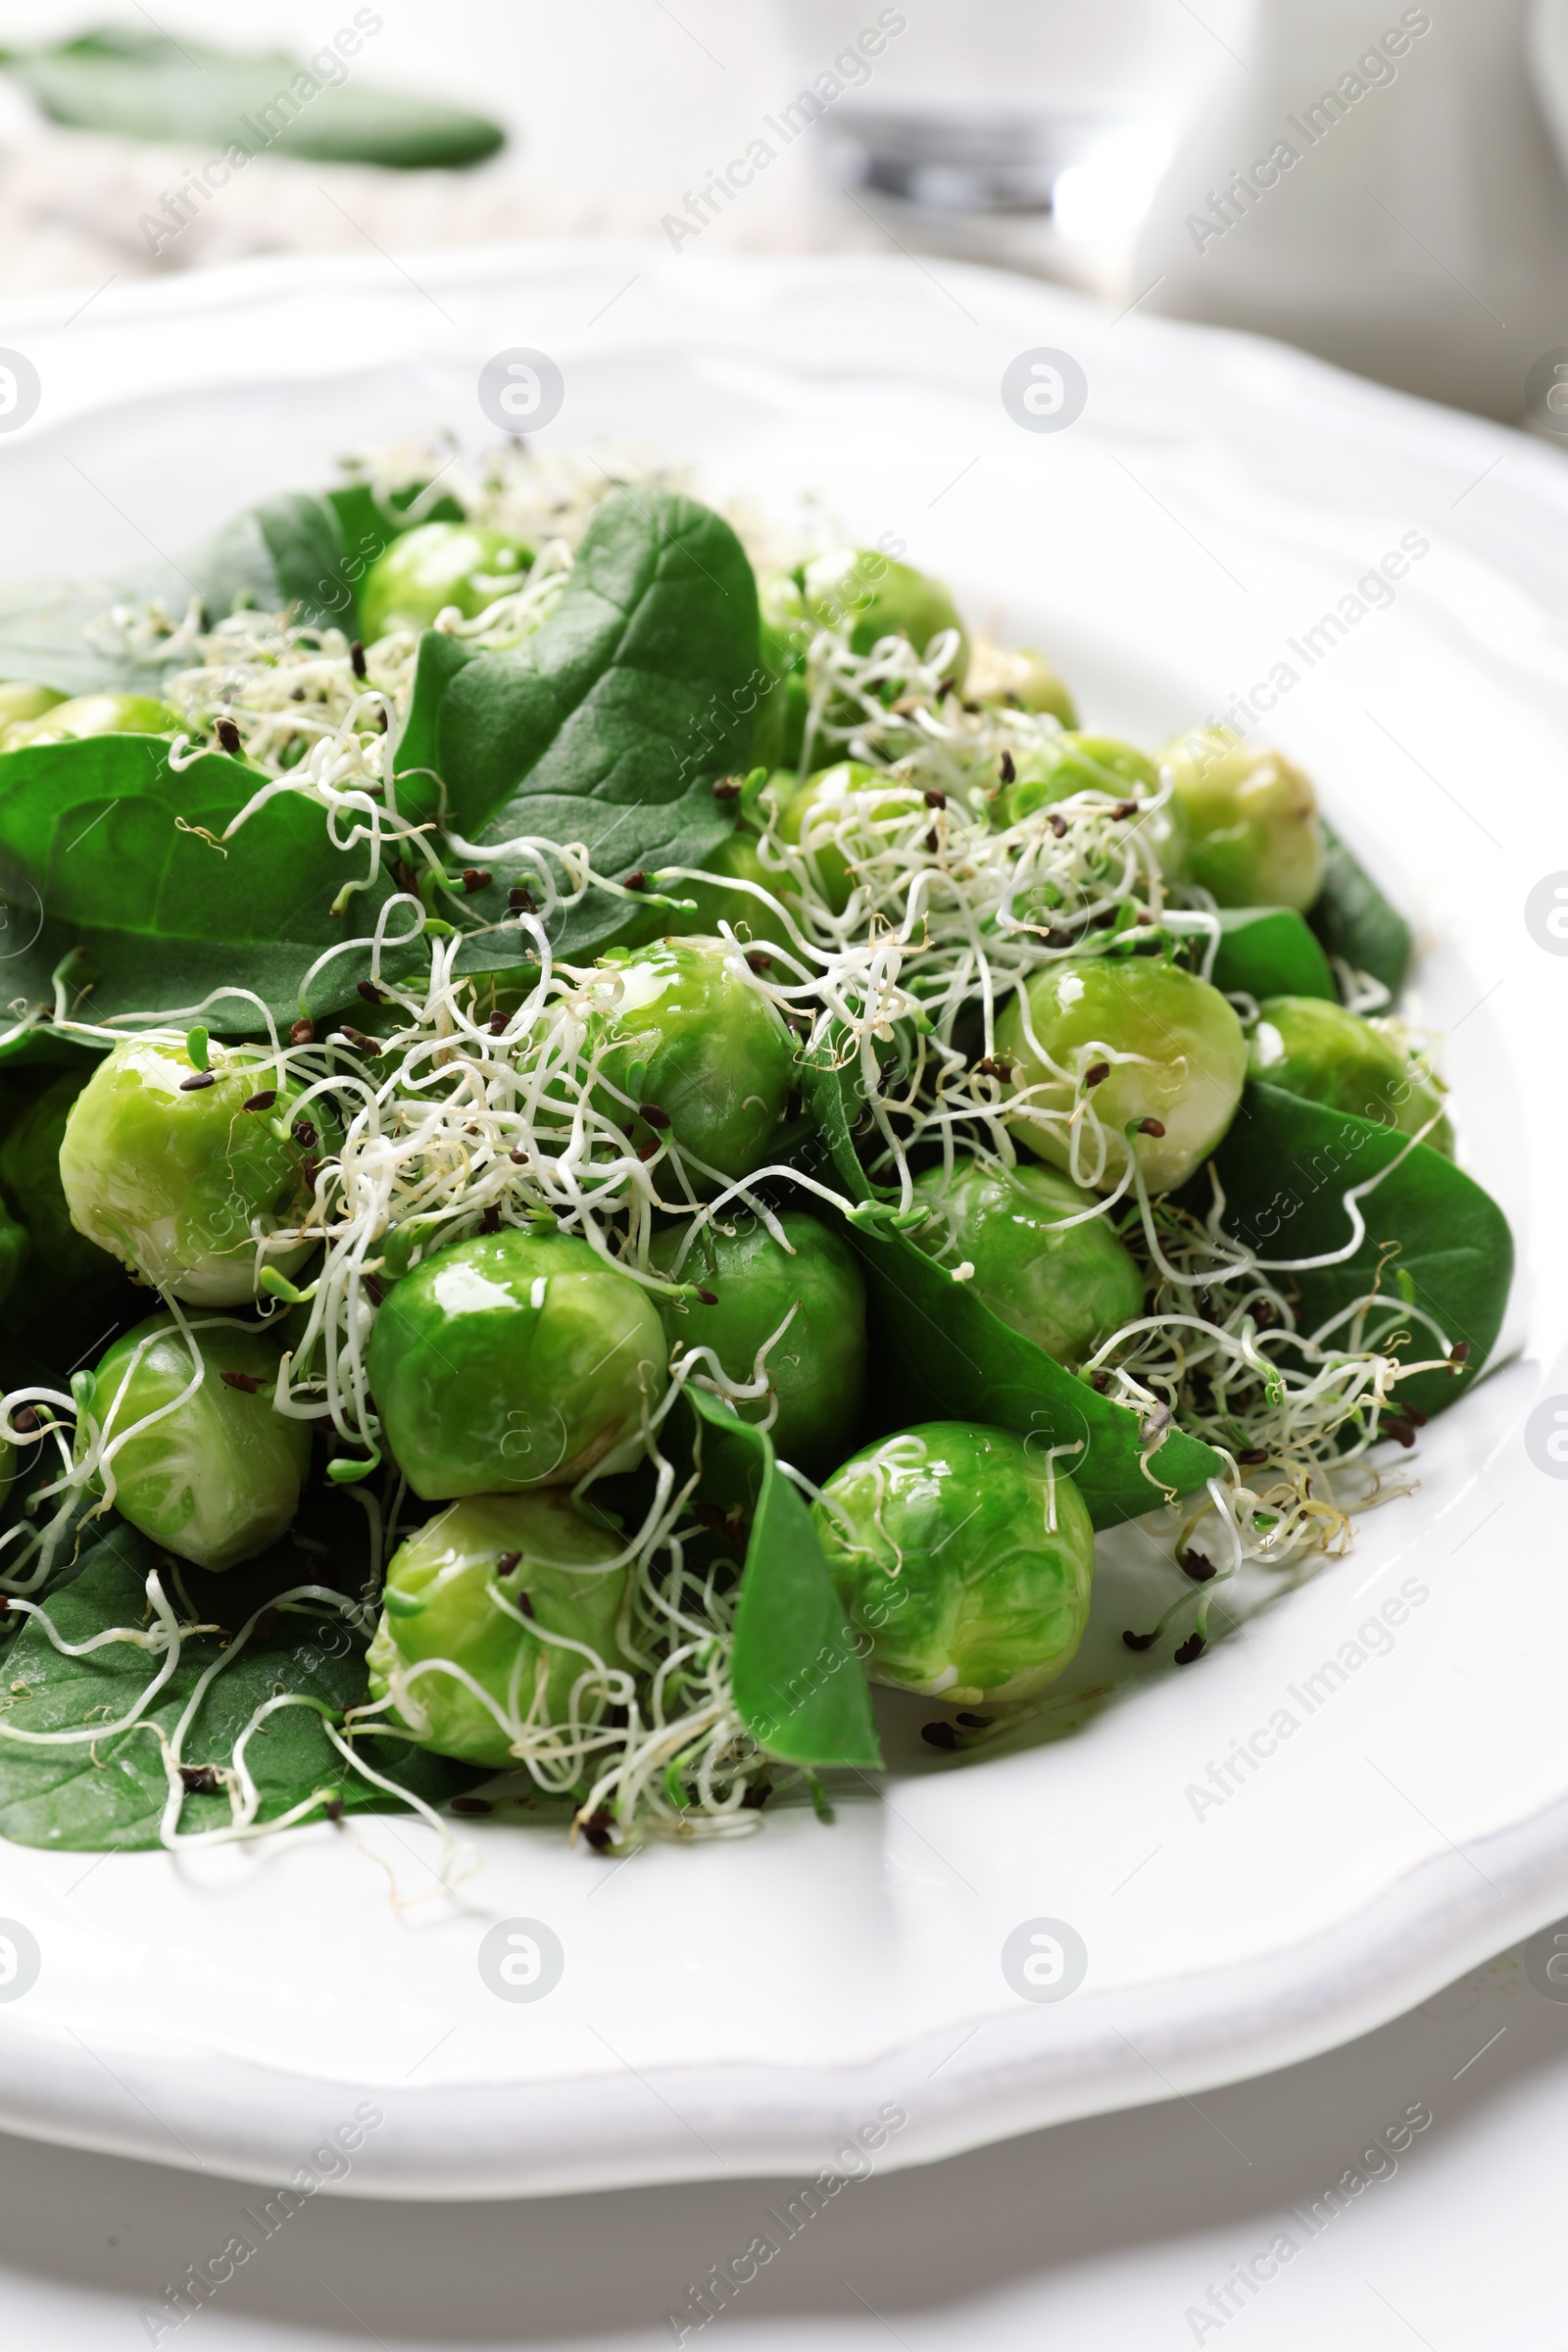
<point>818,1367</point>
<point>1254,834</point>
<point>866,595</point>
<point>689,1034</point>
<point>170,1169</point>
<point>551,1565</point>
<point>1309,1047</point>
<point>1021,677</point>
<point>62,722</point>
<point>1132,1043</point>
<point>833,819</point>
<point>881,598</point>
<point>962,1559</point>
<point>218,1478</point>
<point>1074,762</point>
<point>436,564</point>
<point>1065,1287</point>
<point>514,1360</point>
<point>21,702</point>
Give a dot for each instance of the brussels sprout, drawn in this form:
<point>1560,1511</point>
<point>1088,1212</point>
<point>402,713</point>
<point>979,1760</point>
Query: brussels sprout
<point>1022,678</point>
<point>1075,763</point>
<point>687,1033</point>
<point>93,714</point>
<point>1178,1087</point>
<point>21,702</point>
<point>436,564</point>
<point>551,1564</point>
<point>1065,1288</point>
<point>861,587</point>
<point>182,1181</point>
<point>959,1557</point>
<point>881,598</point>
<point>514,1360</point>
<point>1255,840</point>
<point>1309,1047</point>
<point>218,1479</point>
<point>850,789</point>
<point>818,1367</point>
<point>29,1169</point>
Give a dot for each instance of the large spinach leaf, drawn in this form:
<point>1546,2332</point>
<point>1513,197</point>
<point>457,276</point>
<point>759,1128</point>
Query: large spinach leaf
<point>1285,1166</point>
<point>146,86</point>
<point>796,1672</point>
<point>938,1353</point>
<point>287,551</point>
<point>1353,919</point>
<point>110,1794</point>
<point>610,725</point>
<point>104,842</point>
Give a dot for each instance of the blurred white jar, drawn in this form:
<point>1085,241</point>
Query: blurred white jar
<point>1381,188</point>
<point>977,105</point>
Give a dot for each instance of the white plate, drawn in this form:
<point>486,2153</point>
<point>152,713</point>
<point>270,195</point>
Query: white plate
<point>743,2007</point>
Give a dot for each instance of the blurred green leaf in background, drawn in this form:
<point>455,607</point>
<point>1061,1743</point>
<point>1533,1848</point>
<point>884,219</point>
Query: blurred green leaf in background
<point>150,86</point>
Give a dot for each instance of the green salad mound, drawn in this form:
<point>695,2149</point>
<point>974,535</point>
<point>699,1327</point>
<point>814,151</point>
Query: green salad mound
<point>607,1141</point>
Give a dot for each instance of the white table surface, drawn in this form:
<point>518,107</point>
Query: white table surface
<point>1106,2236</point>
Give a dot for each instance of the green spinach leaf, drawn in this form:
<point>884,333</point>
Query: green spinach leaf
<point>1270,952</point>
<point>798,1681</point>
<point>1353,919</point>
<point>942,1355</point>
<point>1285,1166</point>
<point>146,86</point>
<point>610,725</point>
<point>297,549</point>
<point>111,1796</point>
<point>106,843</point>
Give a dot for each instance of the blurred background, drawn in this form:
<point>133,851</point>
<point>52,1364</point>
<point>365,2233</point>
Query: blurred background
<point>1378,184</point>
